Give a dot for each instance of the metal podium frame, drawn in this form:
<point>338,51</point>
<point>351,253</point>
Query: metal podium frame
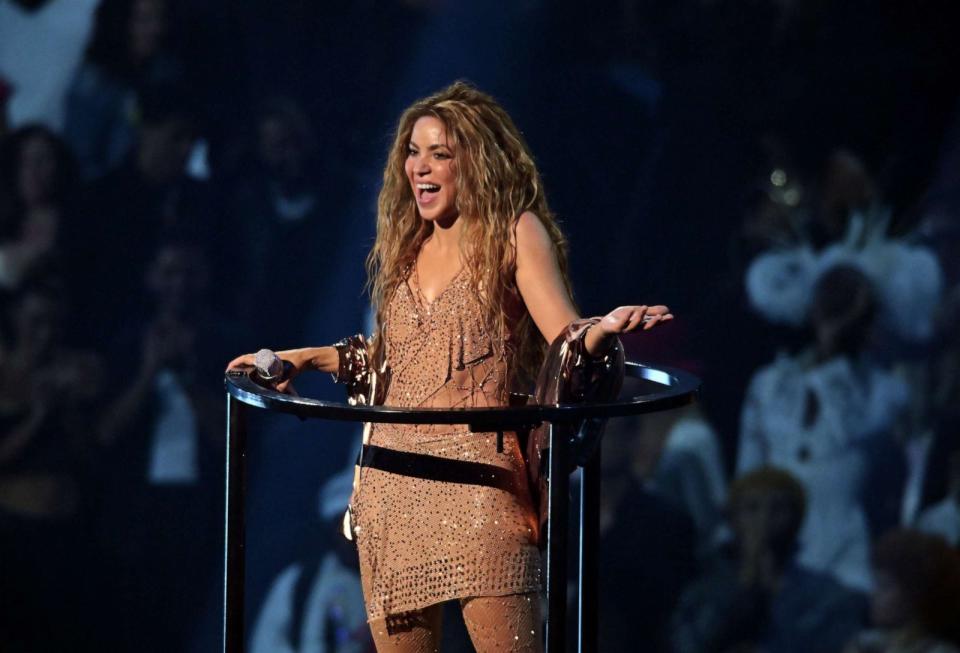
<point>674,387</point>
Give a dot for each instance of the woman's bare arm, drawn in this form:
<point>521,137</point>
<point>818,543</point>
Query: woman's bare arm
<point>320,359</point>
<point>539,278</point>
<point>541,285</point>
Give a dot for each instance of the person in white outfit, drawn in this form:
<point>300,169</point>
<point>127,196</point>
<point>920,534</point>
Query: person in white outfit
<point>813,414</point>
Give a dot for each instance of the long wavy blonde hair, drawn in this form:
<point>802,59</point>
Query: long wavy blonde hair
<point>497,180</point>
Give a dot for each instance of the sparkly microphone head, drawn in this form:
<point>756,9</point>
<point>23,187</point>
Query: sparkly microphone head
<point>268,364</point>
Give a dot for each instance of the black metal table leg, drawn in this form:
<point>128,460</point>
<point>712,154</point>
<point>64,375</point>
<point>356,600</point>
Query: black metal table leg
<point>558,512</point>
<point>234,554</point>
<point>588,605</point>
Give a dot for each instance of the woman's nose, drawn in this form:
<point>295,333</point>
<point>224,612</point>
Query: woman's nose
<point>421,167</point>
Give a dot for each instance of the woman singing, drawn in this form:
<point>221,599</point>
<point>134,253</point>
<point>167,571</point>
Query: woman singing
<point>468,279</point>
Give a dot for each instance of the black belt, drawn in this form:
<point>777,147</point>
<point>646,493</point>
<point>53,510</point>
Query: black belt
<point>435,468</point>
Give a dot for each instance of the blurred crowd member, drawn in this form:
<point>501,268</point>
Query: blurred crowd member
<point>690,471</point>
<point>647,541</point>
<point>316,605</point>
<point>821,414</point>
<point>47,391</point>
<point>915,606</point>
<point>776,206</point>
<point>805,222</point>
<point>41,43</point>
<point>793,208</point>
<point>162,433</point>
<point>125,214</point>
<point>281,213</point>
<point>939,229</point>
<point>792,205</point>
<point>846,188</point>
<point>939,211</point>
<point>5,92</point>
<point>941,482</point>
<point>37,179</point>
<point>943,516</point>
<point>757,597</point>
<point>944,406</point>
<point>128,52</point>
<point>907,281</point>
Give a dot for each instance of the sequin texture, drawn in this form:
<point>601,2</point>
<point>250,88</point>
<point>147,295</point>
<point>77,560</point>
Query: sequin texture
<point>423,541</point>
<point>507,624</point>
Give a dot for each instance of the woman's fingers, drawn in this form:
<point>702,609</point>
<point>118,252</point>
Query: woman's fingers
<point>245,360</point>
<point>637,314</point>
<point>628,318</point>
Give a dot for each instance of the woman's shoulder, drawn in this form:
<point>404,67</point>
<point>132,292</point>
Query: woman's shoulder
<point>529,228</point>
<point>530,237</point>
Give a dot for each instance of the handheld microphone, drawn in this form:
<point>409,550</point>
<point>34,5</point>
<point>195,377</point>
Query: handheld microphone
<point>269,366</point>
<point>269,370</point>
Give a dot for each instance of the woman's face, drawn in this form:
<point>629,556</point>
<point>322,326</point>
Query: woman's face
<point>430,170</point>
<point>38,171</point>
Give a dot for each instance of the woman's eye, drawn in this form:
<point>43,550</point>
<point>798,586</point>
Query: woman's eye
<point>441,155</point>
<point>411,152</point>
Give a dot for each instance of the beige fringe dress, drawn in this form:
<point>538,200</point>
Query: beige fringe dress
<point>438,513</point>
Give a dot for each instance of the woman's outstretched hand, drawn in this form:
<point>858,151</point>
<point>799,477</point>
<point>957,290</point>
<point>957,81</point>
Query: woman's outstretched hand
<point>628,318</point>
<point>298,358</point>
<point>321,359</point>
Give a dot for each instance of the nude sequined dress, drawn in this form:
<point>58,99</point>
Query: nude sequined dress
<point>422,540</point>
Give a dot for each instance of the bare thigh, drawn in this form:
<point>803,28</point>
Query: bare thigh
<point>503,623</point>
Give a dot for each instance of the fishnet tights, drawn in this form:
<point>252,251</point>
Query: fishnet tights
<point>495,623</point>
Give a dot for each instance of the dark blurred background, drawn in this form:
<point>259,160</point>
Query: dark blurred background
<point>182,182</point>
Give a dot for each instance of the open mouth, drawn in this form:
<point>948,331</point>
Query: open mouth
<point>427,192</point>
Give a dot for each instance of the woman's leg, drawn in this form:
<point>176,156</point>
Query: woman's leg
<point>504,623</point>
<point>417,632</point>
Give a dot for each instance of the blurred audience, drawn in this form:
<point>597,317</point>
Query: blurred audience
<point>820,414</point>
<point>315,605</point>
<point>38,178</point>
<point>278,206</point>
<point>756,596</point>
<point>48,395</point>
<point>915,605</point>
<point>5,92</point>
<point>143,201</point>
<point>791,205</point>
<point>129,52</point>
<point>162,439</point>
<point>691,471</point>
<point>647,539</point>
<point>41,43</point>
<point>942,517</point>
